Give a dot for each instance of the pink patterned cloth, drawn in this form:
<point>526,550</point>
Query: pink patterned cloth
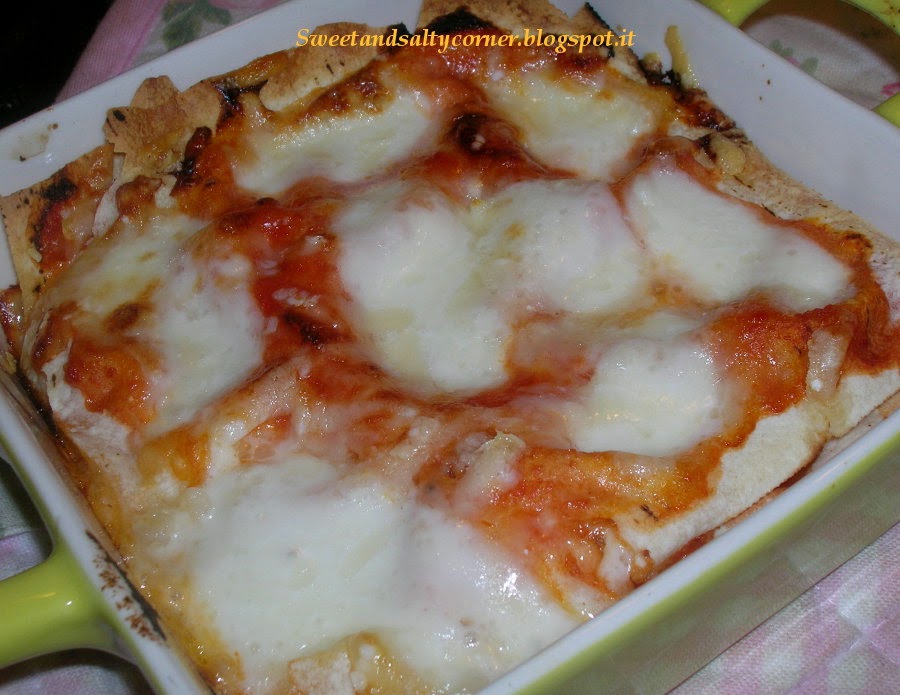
<point>135,31</point>
<point>841,637</point>
<point>118,41</point>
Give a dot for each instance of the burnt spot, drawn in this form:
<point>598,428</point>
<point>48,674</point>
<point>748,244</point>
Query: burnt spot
<point>704,142</point>
<point>311,331</point>
<point>479,133</point>
<point>610,51</point>
<point>702,112</point>
<point>712,118</point>
<point>586,61</point>
<point>667,78</point>
<point>186,175</point>
<point>118,115</point>
<point>467,131</point>
<point>458,21</point>
<point>230,96</point>
<point>59,190</point>
<point>400,29</point>
<point>861,241</point>
<point>47,236</point>
<point>697,105</point>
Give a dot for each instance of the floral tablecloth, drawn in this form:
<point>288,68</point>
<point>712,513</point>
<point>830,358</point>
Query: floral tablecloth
<point>841,637</point>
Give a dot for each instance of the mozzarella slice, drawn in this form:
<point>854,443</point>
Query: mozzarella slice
<point>721,250</point>
<point>187,305</point>
<point>144,246</point>
<point>408,260</point>
<point>569,246</point>
<point>341,147</point>
<point>650,397</point>
<point>574,126</point>
<point>209,332</point>
<point>342,553</point>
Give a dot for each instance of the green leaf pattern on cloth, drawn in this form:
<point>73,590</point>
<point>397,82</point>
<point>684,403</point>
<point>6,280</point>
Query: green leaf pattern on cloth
<point>807,65</point>
<point>184,21</point>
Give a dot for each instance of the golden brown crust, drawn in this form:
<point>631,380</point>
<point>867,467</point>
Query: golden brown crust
<point>152,132</point>
<point>77,188</point>
<point>18,215</point>
<point>309,70</point>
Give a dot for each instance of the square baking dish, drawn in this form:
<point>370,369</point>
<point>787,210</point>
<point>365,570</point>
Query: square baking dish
<point>661,633</point>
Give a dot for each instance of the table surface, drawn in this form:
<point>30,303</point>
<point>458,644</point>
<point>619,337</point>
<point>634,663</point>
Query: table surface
<point>842,636</point>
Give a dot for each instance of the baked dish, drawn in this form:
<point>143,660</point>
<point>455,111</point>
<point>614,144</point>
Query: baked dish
<point>386,363</point>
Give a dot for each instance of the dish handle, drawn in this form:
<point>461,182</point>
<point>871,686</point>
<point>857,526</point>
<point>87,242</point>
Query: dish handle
<point>888,11</point>
<point>50,608</point>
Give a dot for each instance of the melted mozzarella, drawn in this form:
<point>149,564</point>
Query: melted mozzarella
<point>144,247</point>
<point>439,286</point>
<point>568,244</point>
<point>282,560</point>
<point>720,250</point>
<point>209,332</point>
<point>651,397</point>
<point>341,147</point>
<point>201,317</point>
<point>615,565</point>
<point>408,263</point>
<point>488,470</point>
<point>581,128</point>
<point>343,553</point>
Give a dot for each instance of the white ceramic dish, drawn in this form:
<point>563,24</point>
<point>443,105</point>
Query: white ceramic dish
<point>671,626</point>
